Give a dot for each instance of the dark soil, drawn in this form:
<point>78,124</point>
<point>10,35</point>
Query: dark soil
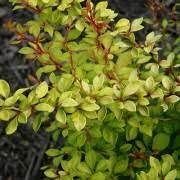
<point>22,154</point>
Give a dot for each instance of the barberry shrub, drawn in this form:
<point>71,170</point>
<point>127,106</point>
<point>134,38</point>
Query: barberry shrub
<point>111,97</point>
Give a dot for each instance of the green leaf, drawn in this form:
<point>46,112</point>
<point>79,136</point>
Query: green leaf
<point>106,39</point>
<point>143,110</point>
<point>4,88</point>
<point>131,133</point>
<point>21,91</point>
<point>81,139</point>
<point>50,173</point>
<point>17,7</point>
<point>155,164</point>
<point>130,106</point>
<point>12,126</point>
<point>22,118</point>
<point>143,59</point>
<point>142,176</point>
<point>107,91</point>
<point>124,59</point>
<point>79,25</point>
<point>105,100</point>
<point>56,161</point>
<point>91,158</point>
<point>37,121</point>
<point>45,1</point>
<point>98,176</point>
<point>61,116</point>
<point>69,102</point>
<point>102,165</point>
<point>123,25</point>
<point>134,122</point>
<point>121,164</point>
<point>168,158</point>
<point>109,135</point>
<point>95,132</point>
<point>6,114</point>
<point>26,50</point>
<point>98,82</point>
<point>167,63</point>
<point>43,58</point>
<point>83,167</point>
<point>79,120</point>
<point>33,2</point>
<point>171,175</point>
<point>89,106</point>
<point>32,98</point>
<point>45,69</point>
<point>171,57</point>
<point>85,87</point>
<point>146,128</point>
<point>167,82</point>
<point>73,34</point>
<point>90,114</point>
<point>53,152</point>
<point>44,107</point>
<point>42,89</point>
<point>151,38</point>
<point>166,167</point>
<point>11,100</point>
<point>150,83</point>
<point>65,82</point>
<point>172,99</point>
<point>126,147</point>
<point>101,5</point>
<point>102,113</point>
<point>131,88</point>
<point>161,141</point>
<point>65,132</point>
<point>136,25</point>
<point>34,28</point>
<point>49,29</point>
<point>64,5</point>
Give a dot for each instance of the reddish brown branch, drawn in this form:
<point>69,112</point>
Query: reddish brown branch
<point>28,6</point>
<point>98,27</point>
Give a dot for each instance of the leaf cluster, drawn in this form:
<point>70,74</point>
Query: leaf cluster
<point>111,97</point>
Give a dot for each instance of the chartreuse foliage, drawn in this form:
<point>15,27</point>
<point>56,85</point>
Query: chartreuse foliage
<point>112,98</point>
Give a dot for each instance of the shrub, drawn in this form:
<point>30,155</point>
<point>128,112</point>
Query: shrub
<point>111,97</point>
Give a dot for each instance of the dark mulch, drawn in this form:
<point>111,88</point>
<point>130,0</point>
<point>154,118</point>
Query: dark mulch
<point>13,66</point>
<point>22,154</point>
